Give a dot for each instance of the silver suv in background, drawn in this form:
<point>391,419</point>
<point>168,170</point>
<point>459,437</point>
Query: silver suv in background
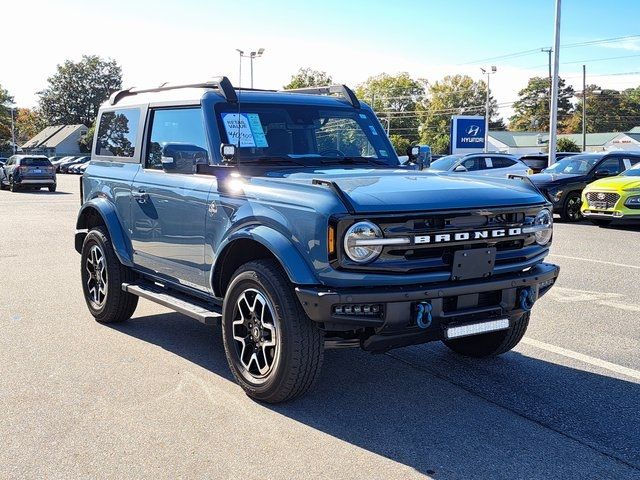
<point>27,171</point>
<point>487,164</point>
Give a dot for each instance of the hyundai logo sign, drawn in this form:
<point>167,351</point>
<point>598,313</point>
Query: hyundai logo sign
<point>473,130</point>
<point>467,134</point>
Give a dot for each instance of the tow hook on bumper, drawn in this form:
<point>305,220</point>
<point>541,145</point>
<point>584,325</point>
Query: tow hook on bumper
<point>527,299</point>
<point>423,314</point>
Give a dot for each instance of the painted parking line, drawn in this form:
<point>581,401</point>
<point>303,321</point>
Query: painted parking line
<point>596,362</point>
<point>592,260</point>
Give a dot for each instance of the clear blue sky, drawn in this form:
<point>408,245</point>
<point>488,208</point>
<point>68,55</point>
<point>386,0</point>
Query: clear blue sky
<point>156,41</point>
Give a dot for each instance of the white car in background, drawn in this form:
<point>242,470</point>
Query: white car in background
<point>488,164</point>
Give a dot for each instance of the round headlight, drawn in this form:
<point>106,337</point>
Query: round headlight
<point>544,226</point>
<point>358,242</point>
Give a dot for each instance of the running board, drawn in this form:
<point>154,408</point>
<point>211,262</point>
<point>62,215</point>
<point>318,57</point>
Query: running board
<point>201,311</point>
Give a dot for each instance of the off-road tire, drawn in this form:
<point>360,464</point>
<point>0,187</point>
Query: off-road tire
<point>568,214</point>
<point>490,344</point>
<point>301,343</point>
<point>118,305</point>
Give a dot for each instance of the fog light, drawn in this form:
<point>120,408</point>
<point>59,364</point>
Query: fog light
<point>358,309</point>
<point>476,328</point>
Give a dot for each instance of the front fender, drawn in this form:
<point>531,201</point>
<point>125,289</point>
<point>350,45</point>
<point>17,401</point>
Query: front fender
<point>109,215</point>
<point>293,263</point>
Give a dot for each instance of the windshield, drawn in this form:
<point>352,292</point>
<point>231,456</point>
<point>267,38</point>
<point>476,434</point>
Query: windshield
<point>444,163</point>
<point>576,165</point>
<point>304,134</point>
<point>634,171</point>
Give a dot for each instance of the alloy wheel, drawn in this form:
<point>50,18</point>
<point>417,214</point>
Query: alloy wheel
<point>256,335</point>
<point>97,276</point>
<point>573,208</point>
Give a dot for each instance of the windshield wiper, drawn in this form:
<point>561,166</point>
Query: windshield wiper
<point>354,160</point>
<point>270,160</point>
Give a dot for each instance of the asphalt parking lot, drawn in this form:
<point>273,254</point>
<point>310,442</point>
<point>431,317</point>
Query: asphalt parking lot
<point>154,398</point>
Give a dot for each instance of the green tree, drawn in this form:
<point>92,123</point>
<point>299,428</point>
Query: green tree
<point>607,111</point>
<point>567,145</point>
<point>532,106</point>
<point>400,144</point>
<point>77,89</point>
<point>308,77</point>
<point>453,95</point>
<point>6,101</point>
<point>394,98</point>
<point>28,124</point>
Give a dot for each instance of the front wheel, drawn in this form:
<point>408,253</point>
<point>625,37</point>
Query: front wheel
<point>102,278</point>
<point>52,188</point>
<point>13,186</point>
<point>490,344</point>
<point>273,349</point>
<point>571,210</point>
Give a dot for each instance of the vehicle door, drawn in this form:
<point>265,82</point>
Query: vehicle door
<point>169,204</point>
<point>608,167</point>
<point>472,165</point>
<point>629,161</point>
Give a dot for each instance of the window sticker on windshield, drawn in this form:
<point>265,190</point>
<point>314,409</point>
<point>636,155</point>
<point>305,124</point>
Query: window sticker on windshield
<point>489,162</point>
<point>383,153</point>
<point>256,129</point>
<point>373,129</point>
<point>248,126</point>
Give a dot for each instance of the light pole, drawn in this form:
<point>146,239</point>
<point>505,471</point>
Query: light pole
<point>553,121</point>
<point>251,56</point>
<point>241,53</point>
<point>486,108</point>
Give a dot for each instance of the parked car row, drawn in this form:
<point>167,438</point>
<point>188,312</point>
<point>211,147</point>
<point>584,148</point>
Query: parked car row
<point>70,164</point>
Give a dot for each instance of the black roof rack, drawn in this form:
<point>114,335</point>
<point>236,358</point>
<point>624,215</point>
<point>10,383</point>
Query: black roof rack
<point>221,83</point>
<point>343,90</point>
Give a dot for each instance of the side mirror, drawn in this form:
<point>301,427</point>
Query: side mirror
<point>602,173</point>
<point>413,152</point>
<point>228,151</point>
<point>460,168</point>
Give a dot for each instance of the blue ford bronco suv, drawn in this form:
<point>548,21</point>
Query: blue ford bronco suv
<point>286,218</point>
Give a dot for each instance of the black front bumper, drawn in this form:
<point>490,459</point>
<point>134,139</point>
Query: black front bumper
<point>451,302</point>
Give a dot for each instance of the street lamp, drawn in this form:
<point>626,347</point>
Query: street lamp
<point>488,72</point>
<point>13,129</point>
<point>251,56</point>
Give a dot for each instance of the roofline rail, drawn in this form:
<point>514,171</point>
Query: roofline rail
<point>220,83</point>
<point>343,90</point>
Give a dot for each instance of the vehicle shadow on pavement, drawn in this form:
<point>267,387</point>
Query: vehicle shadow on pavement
<point>511,417</point>
<point>41,192</point>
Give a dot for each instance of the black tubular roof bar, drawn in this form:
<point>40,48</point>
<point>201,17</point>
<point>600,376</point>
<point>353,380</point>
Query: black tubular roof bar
<point>221,83</point>
<point>343,90</point>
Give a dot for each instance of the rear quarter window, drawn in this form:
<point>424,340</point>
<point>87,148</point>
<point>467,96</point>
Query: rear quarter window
<point>117,133</point>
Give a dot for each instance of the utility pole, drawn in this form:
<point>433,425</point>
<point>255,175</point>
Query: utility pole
<point>13,133</point>
<point>584,108</point>
<point>486,108</point>
<point>548,51</point>
<point>241,53</point>
<point>553,120</point>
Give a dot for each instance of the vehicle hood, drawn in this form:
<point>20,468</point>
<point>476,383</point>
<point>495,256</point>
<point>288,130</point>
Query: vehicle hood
<point>554,179</point>
<point>617,183</point>
<point>378,190</point>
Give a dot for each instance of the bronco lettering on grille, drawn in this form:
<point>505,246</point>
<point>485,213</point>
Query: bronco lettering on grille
<point>463,236</point>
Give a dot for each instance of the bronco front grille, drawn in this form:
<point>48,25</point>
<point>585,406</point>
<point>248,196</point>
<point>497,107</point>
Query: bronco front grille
<point>602,200</point>
<point>512,251</point>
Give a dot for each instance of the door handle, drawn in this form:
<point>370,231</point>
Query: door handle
<point>140,196</point>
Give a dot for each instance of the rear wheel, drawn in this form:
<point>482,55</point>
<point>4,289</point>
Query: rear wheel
<point>274,350</point>
<point>102,278</point>
<point>52,188</point>
<point>13,186</point>
<point>490,344</point>
<point>571,210</point>
<point>601,222</point>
